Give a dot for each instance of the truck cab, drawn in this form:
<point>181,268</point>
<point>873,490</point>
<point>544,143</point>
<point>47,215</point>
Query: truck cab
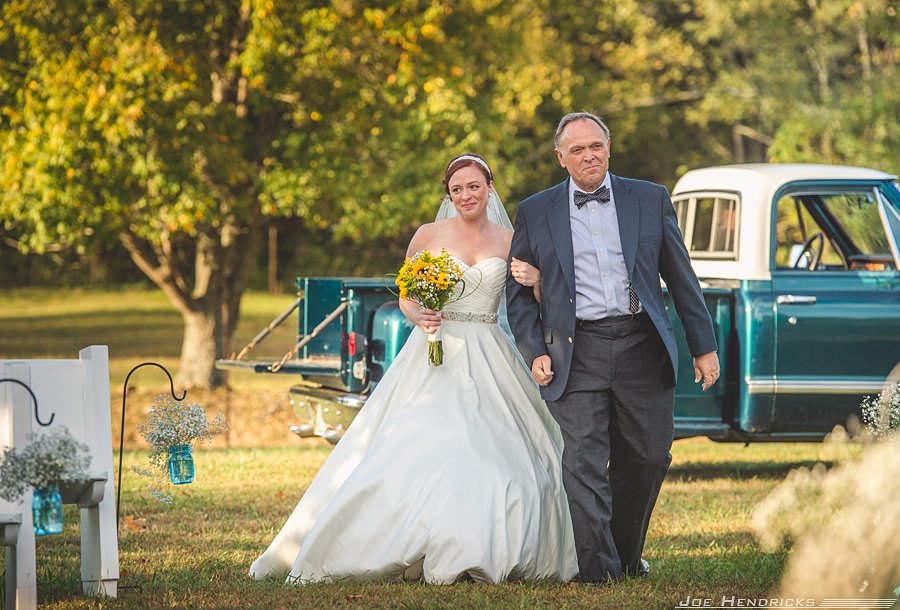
<point>799,266</point>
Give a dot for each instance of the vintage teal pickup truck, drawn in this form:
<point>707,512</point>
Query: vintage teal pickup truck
<point>800,269</point>
<point>799,266</point>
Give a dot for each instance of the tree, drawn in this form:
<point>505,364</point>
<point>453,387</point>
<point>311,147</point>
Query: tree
<point>690,83</point>
<point>177,127</point>
<point>805,80</point>
<point>638,65</point>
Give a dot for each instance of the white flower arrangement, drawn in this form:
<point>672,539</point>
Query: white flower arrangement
<point>881,414</point>
<point>47,459</point>
<point>172,423</point>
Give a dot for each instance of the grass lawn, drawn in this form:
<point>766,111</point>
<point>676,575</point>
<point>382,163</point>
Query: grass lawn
<point>139,325</point>
<point>196,552</point>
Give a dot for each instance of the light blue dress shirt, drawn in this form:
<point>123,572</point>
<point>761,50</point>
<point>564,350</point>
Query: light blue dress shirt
<point>601,279</point>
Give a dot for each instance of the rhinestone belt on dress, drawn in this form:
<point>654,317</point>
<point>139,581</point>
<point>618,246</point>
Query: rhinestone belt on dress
<point>464,316</point>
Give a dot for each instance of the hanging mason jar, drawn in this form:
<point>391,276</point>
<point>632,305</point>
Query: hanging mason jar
<point>181,464</point>
<point>46,506</point>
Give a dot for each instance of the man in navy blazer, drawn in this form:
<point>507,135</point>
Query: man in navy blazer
<point>599,341</point>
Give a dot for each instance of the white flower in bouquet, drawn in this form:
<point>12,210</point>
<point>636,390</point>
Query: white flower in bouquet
<point>881,414</point>
<point>49,458</point>
<point>172,423</point>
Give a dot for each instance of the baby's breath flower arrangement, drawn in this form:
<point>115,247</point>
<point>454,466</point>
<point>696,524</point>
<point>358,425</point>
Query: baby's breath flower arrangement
<point>173,424</point>
<point>881,414</point>
<point>430,280</point>
<point>46,460</point>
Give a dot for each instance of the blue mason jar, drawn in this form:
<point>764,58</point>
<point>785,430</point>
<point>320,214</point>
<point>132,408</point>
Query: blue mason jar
<point>181,464</point>
<point>46,506</point>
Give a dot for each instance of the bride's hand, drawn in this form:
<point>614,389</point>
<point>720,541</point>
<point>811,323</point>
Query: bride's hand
<point>524,273</point>
<point>428,319</point>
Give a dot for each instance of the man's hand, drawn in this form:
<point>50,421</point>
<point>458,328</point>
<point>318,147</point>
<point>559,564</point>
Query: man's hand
<point>706,368</point>
<point>542,371</point>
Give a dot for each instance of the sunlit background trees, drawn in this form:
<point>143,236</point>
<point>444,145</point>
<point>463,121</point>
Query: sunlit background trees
<point>167,141</point>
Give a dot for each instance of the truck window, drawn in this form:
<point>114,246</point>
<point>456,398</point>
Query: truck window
<point>858,214</point>
<point>708,223</point>
<point>681,207</point>
<point>833,230</point>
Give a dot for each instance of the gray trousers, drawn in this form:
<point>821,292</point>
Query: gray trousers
<point>617,422</point>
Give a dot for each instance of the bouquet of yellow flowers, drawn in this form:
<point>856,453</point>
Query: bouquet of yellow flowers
<point>430,280</point>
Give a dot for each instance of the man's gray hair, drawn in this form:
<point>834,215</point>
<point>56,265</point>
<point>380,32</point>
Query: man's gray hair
<point>578,116</point>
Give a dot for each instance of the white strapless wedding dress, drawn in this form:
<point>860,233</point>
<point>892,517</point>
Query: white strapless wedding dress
<point>447,471</point>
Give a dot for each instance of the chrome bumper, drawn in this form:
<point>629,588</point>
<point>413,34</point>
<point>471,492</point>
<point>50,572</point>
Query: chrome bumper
<point>323,413</point>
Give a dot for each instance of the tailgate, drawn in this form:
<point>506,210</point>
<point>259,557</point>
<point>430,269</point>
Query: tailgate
<point>301,366</point>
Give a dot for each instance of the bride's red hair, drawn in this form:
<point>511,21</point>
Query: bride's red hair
<point>466,160</point>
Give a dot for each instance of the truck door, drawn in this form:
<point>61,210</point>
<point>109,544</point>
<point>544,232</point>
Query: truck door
<point>837,301</point>
<point>709,223</point>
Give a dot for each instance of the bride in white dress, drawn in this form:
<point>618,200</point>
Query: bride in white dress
<point>449,472</point>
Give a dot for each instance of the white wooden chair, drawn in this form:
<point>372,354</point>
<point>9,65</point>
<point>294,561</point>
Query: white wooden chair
<point>76,393</point>
<point>19,594</point>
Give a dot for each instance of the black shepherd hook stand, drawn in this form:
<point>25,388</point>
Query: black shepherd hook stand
<point>34,398</point>
<point>122,435</point>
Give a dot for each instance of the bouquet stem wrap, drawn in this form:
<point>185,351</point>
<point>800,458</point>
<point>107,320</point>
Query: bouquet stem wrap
<point>435,349</point>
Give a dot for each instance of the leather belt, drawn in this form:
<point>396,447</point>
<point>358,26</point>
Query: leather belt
<point>579,323</point>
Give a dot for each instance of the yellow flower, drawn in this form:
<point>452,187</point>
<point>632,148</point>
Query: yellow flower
<point>429,278</point>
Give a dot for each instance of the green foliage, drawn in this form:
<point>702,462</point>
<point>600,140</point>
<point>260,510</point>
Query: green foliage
<point>176,127</point>
<point>814,79</point>
<point>402,90</point>
<point>641,67</point>
<point>163,119</point>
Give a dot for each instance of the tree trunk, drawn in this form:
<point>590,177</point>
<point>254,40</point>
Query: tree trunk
<point>210,311</point>
<point>199,350</point>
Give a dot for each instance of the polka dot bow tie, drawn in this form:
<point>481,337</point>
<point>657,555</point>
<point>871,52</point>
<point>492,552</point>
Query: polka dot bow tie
<point>601,195</point>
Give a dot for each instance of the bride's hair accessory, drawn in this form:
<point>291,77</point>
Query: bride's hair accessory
<point>495,210</point>
<point>462,161</point>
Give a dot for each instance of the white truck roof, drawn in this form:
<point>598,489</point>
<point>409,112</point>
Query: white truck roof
<point>773,174</point>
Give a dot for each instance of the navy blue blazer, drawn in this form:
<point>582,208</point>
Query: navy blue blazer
<point>652,246</point>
